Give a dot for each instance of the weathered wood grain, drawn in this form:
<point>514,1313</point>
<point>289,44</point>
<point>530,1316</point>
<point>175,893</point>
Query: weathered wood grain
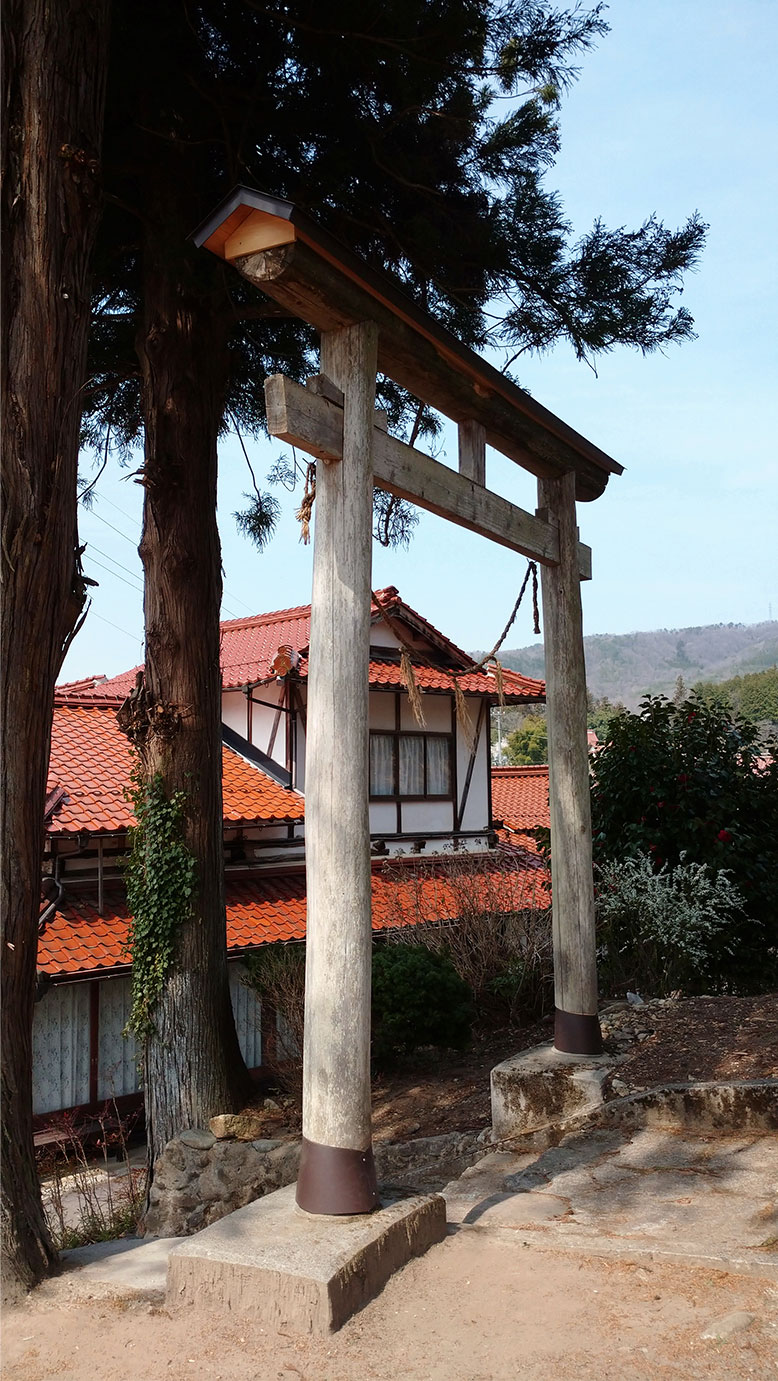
<point>433,367</point>
<point>315,423</point>
<point>336,1073</point>
<point>575,966</point>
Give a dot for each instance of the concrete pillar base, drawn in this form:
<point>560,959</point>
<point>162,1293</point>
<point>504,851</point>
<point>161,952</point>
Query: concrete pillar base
<point>543,1086</point>
<point>290,1270</point>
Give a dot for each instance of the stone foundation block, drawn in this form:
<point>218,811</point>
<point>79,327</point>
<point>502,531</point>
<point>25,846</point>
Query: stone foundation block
<point>544,1086</point>
<point>291,1270</point>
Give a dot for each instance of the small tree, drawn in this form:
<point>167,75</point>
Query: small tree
<point>528,743</point>
<point>693,779</point>
<point>599,713</point>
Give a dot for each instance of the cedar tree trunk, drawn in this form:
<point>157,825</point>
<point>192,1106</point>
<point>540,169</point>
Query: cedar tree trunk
<point>193,1065</point>
<point>53,94</point>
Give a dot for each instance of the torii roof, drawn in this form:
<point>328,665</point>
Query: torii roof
<point>295,261</point>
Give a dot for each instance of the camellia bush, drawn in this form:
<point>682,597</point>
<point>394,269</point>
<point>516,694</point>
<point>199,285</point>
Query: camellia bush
<point>694,781</point>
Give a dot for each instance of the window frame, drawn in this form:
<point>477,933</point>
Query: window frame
<point>395,735</point>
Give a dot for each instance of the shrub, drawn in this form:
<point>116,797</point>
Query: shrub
<point>418,999</point>
<point>693,779</point>
<point>492,919</point>
<point>659,931</point>
<point>84,1198</point>
<point>276,973</point>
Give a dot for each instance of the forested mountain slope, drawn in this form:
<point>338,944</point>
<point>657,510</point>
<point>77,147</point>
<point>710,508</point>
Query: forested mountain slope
<point>624,666</point>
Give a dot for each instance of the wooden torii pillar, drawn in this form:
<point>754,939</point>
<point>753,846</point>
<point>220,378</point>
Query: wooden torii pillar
<point>367,324</point>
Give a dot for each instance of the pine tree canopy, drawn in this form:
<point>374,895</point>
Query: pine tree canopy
<point>420,133</point>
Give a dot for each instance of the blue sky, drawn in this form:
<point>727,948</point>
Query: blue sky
<point>673,112</point>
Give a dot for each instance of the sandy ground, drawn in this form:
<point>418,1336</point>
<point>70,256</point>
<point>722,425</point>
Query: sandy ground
<point>476,1308</point>
<point>494,1302</point>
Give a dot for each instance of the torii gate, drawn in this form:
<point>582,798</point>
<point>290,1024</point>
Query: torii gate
<point>367,323</point>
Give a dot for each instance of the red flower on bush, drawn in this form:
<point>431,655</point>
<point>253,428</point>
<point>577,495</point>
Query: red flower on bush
<point>724,836</point>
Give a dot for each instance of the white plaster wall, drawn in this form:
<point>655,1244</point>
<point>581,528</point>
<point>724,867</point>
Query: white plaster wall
<point>419,817</point>
<point>381,710</point>
<point>383,817</point>
<point>298,779</point>
<point>234,712</point>
<point>263,719</point>
<point>476,816</point>
<point>437,710</point>
<point>382,636</point>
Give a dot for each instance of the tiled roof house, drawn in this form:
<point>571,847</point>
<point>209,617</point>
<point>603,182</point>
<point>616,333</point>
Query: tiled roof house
<point>431,791</point>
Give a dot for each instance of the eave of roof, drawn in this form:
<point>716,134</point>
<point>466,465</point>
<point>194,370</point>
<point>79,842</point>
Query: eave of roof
<point>78,941</point>
<point>90,770</point>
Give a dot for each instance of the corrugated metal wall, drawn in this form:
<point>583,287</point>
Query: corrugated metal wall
<point>61,1040</point>
<point>248,1016</point>
<point>117,1071</point>
<point>60,1048</point>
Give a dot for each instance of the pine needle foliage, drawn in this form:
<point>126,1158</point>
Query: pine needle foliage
<point>420,133</point>
<point>258,521</point>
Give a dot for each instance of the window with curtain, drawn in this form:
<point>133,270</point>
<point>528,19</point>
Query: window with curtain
<point>411,765</point>
<point>382,764</point>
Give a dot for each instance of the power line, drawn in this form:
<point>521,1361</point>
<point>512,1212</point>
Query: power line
<point>137,588</point>
<point>134,636</point>
<point>92,547</point>
<point>134,544</point>
<point>100,519</point>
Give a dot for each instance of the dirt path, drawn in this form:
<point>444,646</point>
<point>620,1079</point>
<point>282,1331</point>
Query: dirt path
<point>476,1308</point>
<point>486,1304</point>
<point>662,1041</point>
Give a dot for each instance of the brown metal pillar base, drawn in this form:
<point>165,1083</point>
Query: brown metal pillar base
<point>336,1181</point>
<point>576,1033</point>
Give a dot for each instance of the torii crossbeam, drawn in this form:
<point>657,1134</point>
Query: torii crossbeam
<point>366,324</point>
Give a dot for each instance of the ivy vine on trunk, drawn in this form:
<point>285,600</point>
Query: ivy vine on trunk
<point>160,873</point>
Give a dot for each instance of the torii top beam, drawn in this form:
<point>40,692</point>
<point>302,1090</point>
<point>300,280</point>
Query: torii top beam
<point>286,254</point>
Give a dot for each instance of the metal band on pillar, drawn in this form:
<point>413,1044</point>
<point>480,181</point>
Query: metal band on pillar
<point>575,1033</point>
<point>335,1180</point>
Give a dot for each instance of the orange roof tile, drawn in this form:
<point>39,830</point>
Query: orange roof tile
<point>520,800</point>
<point>90,764</point>
<point>249,646</point>
<point>272,907</point>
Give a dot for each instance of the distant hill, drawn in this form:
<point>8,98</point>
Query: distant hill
<point>625,666</point>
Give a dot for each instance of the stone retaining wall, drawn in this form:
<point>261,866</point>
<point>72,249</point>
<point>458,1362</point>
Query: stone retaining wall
<point>200,1178</point>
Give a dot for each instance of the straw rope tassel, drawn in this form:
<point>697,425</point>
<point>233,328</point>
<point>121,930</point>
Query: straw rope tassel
<point>463,718</point>
<point>498,677</point>
<point>409,681</point>
<point>303,514</point>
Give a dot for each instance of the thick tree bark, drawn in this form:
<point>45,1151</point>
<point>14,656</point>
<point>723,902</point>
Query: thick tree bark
<point>193,1064</point>
<point>53,94</point>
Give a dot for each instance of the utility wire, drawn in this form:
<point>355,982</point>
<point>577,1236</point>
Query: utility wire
<point>91,547</point>
<point>137,588</point>
<point>135,637</point>
<point>134,544</point>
